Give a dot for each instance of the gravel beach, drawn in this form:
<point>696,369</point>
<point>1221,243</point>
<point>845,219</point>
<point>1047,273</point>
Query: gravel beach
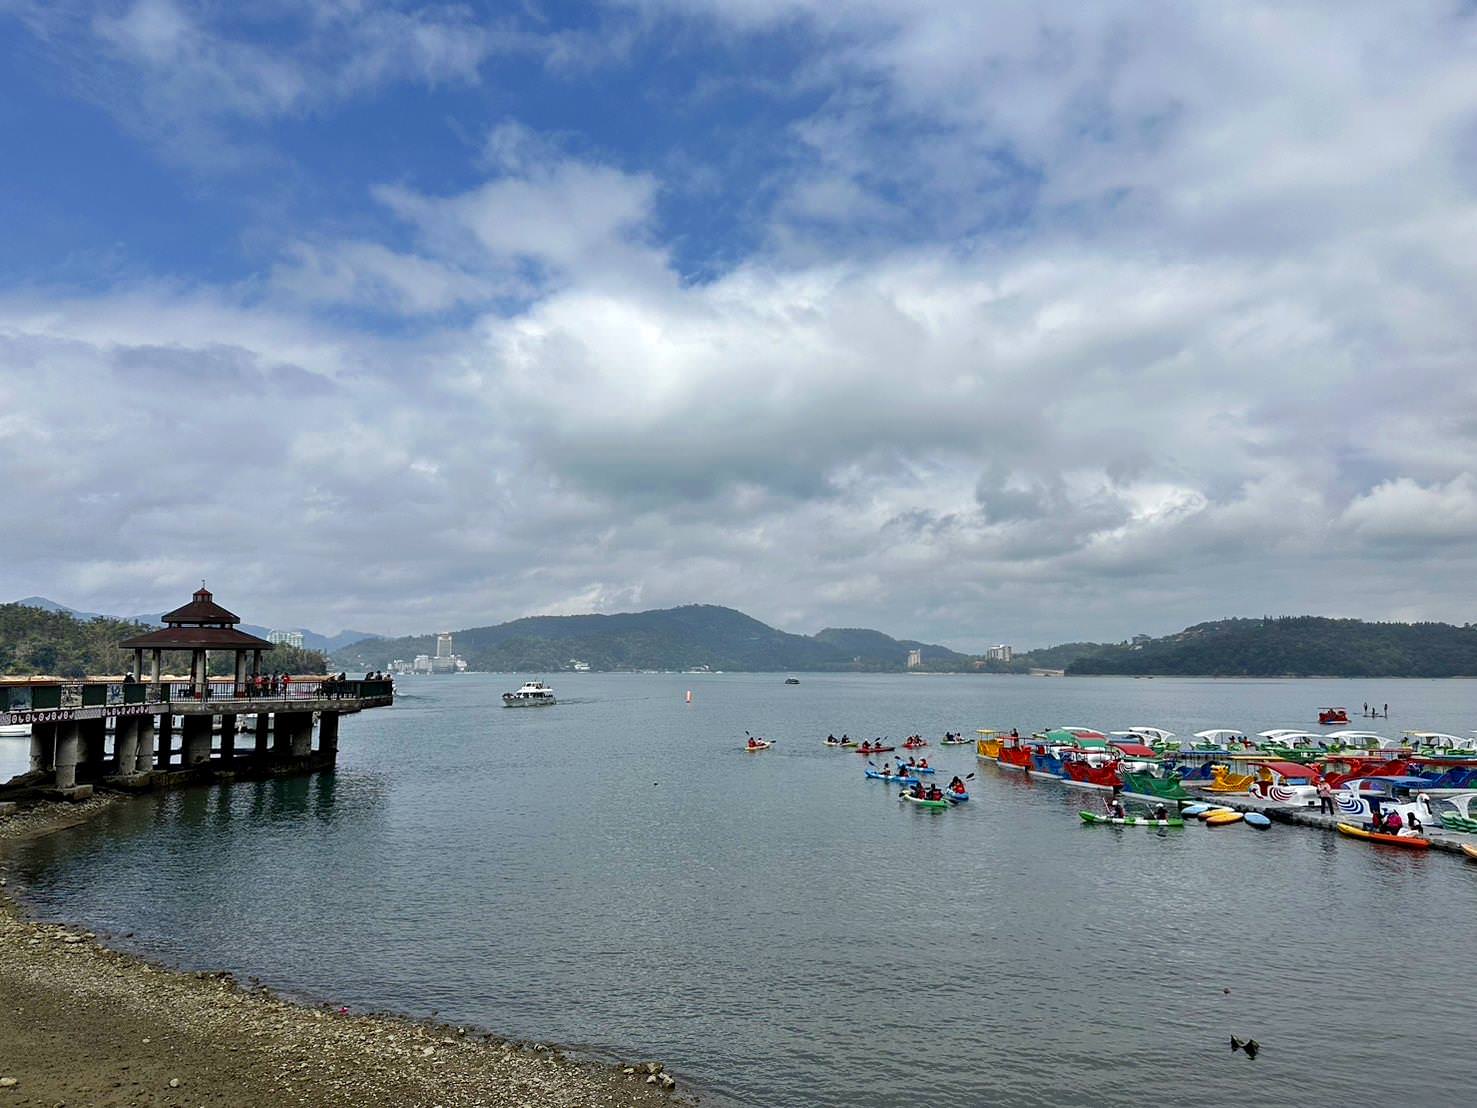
<point>81,1024</point>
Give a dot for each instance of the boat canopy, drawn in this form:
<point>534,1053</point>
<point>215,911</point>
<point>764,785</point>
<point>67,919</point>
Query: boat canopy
<point>1135,750</point>
<point>1220,734</point>
<point>1085,732</point>
<point>1288,769</point>
<point>1278,732</point>
<point>985,731</point>
<point>1158,734</point>
<point>1290,738</point>
<point>1386,784</point>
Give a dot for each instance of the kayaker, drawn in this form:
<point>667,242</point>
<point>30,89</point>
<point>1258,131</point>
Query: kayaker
<point>956,784</point>
<point>923,764</point>
<point>866,747</point>
<point>934,794</point>
<point>918,791</point>
<point>831,739</point>
<point>1116,809</point>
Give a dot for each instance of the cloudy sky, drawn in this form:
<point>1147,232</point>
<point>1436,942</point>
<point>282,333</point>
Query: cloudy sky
<point>967,321</point>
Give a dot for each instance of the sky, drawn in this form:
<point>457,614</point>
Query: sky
<point>971,322</point>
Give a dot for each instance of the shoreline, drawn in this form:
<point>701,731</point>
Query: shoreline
<point>83,1023</point>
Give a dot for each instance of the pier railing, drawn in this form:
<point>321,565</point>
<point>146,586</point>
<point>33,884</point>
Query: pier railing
<point>52,695</point>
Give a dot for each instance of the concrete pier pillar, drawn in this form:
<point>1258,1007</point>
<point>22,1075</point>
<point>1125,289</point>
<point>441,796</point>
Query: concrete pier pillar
<point>43,746</point>
<point>165,740</point>
<point>228,741</point>
<point>92,735</point>
<point>263,733</point>
<point>196,740</point>
<point>125,743</point>
<point>299,728</point>
<point>281,734</point>
<point>328,734</point>
<point>144,753</point>
<point>68,753</point>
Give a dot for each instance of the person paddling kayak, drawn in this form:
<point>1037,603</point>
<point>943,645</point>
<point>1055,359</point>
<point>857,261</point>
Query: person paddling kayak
<point>956,785</point>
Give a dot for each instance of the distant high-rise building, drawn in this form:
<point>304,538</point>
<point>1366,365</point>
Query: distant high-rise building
<point>915,659</point>
<point>1001,653</point>
<point>286,638</point>
<point>443,645</point>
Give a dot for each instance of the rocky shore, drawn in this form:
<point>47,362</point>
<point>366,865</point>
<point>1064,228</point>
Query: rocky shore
<point>81,1024</point>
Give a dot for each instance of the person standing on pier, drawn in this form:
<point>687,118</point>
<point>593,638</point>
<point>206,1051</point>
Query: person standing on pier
<point>1325,798</point>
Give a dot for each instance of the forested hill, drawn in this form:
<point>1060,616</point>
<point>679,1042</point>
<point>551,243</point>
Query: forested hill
<point>666,639</point>
<point>37,642</point>
<point>1294,646</point>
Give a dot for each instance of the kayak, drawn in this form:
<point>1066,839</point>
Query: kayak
<point>931,805</point>
<point>876,776</point>
<point>762,744</point>
<point>1130,821</point>
<point>1223,819</point>
<point>1412,842</point>
<point>914,746</point>
<point>1195,809</point>
<point>1204,817</point>
<point>1257,820</point>
<point>925,770</point>
<point>838,746</point>
<point>957,798</point>
<point>876,750</point>
<point>1469,850</point>
<point>956,742</point>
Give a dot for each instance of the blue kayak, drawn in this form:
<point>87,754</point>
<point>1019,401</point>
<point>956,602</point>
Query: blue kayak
<point>1195,809</point>
<point>958,798</point>
<point>919,769</point>
<point>1257,820</point>
<point>875,776</point>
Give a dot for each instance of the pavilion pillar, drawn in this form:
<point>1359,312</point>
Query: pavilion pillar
<point>138,664</point>
<point>228,740</point>
<point>263,733</point>
<point>68,754</point>
<point>92,735</point>
<point>43,746</point>
<point>327,734</point>
<point>302,734</point>
<point>166,738</point>
<point>196,747</point>
<point>125,743</point>
<point>144,751</point>
<point>240,689</point>
<point>154,666</point>
<point>256,663</point>
<point>197,673</point>
<point>283,724</point>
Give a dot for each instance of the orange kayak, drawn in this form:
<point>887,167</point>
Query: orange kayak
<point>1470,851</point>
<point>1410,841</point>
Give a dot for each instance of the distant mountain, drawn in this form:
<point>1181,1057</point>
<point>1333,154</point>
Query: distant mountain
<point>312,640</point>
<point>670,638</point>
<point>1294,646</point>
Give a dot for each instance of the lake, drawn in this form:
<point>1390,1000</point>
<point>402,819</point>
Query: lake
<point>616,873</point>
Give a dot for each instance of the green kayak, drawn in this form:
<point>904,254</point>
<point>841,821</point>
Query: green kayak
<point>933,805</point>
<point>1131,821</point>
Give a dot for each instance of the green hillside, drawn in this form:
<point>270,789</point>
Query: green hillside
<point>1294,646</point>
<point>667,639</point>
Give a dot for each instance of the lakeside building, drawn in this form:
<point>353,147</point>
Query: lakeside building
<point>915,659</point>
<point>286,638</point>
<point>999,653</point>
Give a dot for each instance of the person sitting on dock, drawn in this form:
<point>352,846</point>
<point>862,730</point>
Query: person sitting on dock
<point>1413,825</point>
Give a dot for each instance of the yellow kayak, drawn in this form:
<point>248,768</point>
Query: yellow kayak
<point>1469,851</point>
<point>1220,819</point>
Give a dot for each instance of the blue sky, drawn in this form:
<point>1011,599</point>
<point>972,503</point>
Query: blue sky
<point>972,322</point>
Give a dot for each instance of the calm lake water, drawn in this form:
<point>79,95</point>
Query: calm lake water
<point>616,873</point>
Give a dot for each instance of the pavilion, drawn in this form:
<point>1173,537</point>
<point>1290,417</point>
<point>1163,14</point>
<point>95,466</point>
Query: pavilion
<point>201,626</point>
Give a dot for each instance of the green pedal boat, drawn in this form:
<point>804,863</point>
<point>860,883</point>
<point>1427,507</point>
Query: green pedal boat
<point>1131,821</point>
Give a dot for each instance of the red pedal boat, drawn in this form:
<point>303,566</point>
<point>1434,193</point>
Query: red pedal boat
<point>1333,715</point>
<point>1097,777</point>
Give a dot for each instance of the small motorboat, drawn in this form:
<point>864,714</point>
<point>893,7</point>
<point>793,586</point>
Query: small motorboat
<point>532,694</point>
<point>792,680</point>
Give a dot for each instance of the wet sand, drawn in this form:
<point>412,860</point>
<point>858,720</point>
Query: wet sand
<point>84,1025</point>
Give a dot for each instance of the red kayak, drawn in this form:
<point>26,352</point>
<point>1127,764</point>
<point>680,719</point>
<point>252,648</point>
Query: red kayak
<point>875,749</point>
<point>915,746</point>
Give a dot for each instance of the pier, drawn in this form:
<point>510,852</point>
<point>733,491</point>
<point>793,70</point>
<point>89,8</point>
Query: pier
<point>1440,838</point>
<point>146,731</point>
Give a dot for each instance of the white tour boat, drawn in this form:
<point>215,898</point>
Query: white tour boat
<point>532,694</point>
